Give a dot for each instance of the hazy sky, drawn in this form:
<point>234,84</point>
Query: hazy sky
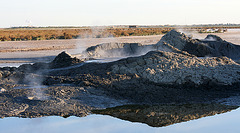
<point>117,12</point>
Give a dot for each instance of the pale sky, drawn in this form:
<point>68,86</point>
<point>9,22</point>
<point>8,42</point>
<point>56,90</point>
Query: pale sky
<point>117,12</point>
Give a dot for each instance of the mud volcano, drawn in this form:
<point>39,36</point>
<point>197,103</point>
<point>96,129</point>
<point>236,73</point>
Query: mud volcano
<point>211,46</point>
<point>173,71</point>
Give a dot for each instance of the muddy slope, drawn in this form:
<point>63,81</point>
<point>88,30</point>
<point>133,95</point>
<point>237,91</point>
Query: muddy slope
<point>211,46</point>
<point>157,77</point>
<point>109,50</point>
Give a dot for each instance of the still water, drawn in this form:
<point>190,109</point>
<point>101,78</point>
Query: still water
<point>221,123</point>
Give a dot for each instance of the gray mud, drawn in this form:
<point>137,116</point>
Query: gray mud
<point>56,100</point>
<point>72,86</point>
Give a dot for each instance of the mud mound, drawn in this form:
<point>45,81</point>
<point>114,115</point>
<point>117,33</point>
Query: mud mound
<point>155,78</point>
<point>185,43</point>
<point>115,50</point>
<point>222,47</point>
<point>64,59</point>
<point>173,68</point>
<point>176,39</point>
<point>173,75</point>
<point>211,37</point>
<point>173,41</point>
<point>211,46</point>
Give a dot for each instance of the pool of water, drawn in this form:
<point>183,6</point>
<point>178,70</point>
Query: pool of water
<point>222,123</point>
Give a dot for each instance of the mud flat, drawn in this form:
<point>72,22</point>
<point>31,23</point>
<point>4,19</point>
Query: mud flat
<point>46,50</point>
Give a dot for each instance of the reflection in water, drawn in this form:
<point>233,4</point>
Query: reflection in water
<point>224,123</point>
<point>164,115</point>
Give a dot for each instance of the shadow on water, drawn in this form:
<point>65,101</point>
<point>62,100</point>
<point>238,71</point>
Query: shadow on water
<point>165,115</point>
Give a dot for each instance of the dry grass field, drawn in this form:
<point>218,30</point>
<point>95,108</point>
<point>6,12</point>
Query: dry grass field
<point>74,33</point>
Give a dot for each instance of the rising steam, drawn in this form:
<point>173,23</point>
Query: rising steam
<point>34,82</point>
